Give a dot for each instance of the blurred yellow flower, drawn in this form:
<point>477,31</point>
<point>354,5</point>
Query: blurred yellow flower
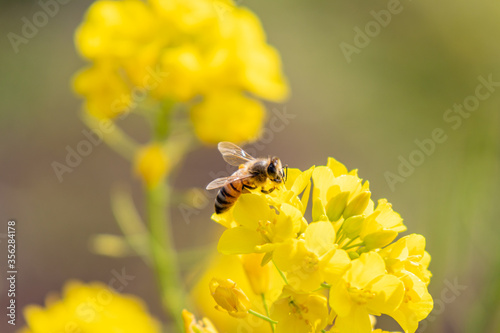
<point>259,276</point>
<point>193,326</point>
<point>227,116</point>
<point>92,307</point>
<point>107,96</point>
<point>229,297</point>
<point>151,164</point>
<point>230,266</point>
<point>211,55</point>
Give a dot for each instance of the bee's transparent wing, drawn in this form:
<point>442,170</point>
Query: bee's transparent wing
<point>216,183</point>
<point>233,154</point>
<point>219,182</point>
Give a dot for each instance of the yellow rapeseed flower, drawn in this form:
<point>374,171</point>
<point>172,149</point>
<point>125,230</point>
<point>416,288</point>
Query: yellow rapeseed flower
<point>408,255</point>
<point>364,289</point>
<point>311,260</point>
<point>260,228</point>
<point>300,312</point>
<point>210,55</point>
<point>345,247</point>
<point>90,307</point>
<point>416,306</point>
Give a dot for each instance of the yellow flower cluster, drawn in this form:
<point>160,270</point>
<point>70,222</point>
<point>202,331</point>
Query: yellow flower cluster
<point>209,54</point>
<point>90,307</point>
<point>339,268</point>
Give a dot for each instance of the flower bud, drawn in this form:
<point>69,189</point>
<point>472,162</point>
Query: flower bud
<point>379,239</point>
<point>357,205</point>
<point>336,206</point>
<point>151,164</point>
<point>353,225</point>
<point>229,297</point>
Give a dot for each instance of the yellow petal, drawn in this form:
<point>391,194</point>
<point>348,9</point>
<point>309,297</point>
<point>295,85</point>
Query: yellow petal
<point>288,255</point>
<point>323,178</point>
<point>258,275</point>
<point>302,181</point>
<point>239,240</point>
<point>320,237</point>
<point>357,321</point>
<point>337,167</point>
<point>363,270</point>
<point>389,292</point>
<point>250,209</point>
<point>339,299</point>
<point>335,266</point>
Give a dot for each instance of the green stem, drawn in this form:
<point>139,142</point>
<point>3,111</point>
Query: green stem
<point>261,316</point>
<point>281,273</point>
<point>113,136</point>
<point>266,308</point>
<point>323,285</point>
<point>163,253</point>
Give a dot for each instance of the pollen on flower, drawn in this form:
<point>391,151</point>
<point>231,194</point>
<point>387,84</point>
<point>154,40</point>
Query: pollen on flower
<point>360,296</point>
<point>311,262</point>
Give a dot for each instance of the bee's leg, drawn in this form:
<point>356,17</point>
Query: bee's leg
<point>267,191</point>
<point>247,188</point>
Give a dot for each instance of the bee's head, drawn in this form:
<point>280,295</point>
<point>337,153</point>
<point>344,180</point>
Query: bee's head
<point>275,170</point>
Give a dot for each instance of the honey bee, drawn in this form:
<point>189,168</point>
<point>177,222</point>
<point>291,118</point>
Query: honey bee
<point>252,173</point>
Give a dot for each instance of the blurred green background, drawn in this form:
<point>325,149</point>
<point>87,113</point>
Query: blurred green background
<point>367,113</point>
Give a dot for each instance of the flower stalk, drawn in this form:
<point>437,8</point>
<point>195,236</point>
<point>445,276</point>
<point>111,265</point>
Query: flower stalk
<point>261,316</point>
<point>164,257</point>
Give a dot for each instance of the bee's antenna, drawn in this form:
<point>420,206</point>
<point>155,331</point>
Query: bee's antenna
<point>286,172</point>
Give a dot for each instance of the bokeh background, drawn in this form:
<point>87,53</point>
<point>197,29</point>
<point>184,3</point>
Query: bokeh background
<point>367,113</point>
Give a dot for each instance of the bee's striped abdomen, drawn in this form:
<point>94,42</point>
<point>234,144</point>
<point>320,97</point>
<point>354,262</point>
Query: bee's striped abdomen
<point>227,196</point>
